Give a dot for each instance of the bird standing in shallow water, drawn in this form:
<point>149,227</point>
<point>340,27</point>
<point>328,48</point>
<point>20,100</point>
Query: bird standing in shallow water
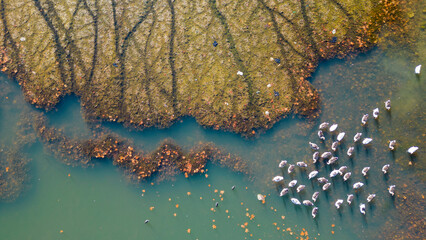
<point>350,198</point>
<point>385,168</point>
<point>314,212</point>
<point>357,137</point>
<point>365,171</point>
<point>362,208</point>
<point>392,145</point>
<point>392,190</point>
<point>412,150</point>
<point>388,105</point>
<point>364,119</point>
<point>376,113</point>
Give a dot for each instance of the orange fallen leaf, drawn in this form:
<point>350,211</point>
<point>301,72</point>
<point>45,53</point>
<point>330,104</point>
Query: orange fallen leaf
<point>189,230</point>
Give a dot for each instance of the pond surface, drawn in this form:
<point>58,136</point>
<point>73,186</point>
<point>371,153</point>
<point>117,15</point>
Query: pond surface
<point>66,202</point>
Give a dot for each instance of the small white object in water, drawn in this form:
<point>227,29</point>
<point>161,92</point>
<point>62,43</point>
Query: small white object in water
<point>385,168</point>
<point>332,160</point>
<point>23,39</point>
<point>260,197</point>
<point>392,190</point>
<point>314,212</point>
<point>300,188</point>
<point>350,198</point>
<point>315,157</point>
<point>376,113</point>
<point>326,155</point>
<point>358,185</point>
<point>315,196</point>
<point>301,164</point>
<point>283,192</point>
<point>340,136</point>
<point>277,179</point>
<point>350,151</point>
<point>392,144</point>
<point>367,141</point>
<point>338,203</point>
<point>334,173</point>
<point>292,183</point>
<point>326,186</point>
<point>365,171</point>
<point>269,85</point>
<point>412,150</point>
<point>347,176</point>
<point>418,69</point>
<point>290,168</point>
<point>334,146</point>
<point>240,73</point>
<point>307,203</point>
<point>357,137</point>
<point>282,164</point>
<point>313,146</point>
<point>362,208</point>
<point>388,104</point>
<point>323,125</point>
<point>364,119</point>
<point>333,127</point>
<point>371,197</point>
<point>342,170</point>
<point>267,113</point>
<point>295,201</point>
<point>334,31</point>
<point>312,174</point>
<point>321,135</point>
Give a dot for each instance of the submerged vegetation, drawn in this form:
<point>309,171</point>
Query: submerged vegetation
<point>148,63</point>
<point>104,145</point>
<point>14,177</point>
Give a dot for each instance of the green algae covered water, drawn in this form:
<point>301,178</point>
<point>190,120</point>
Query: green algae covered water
<point>63,202</point>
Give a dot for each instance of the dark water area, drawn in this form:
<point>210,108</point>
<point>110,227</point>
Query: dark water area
<point>100,202</point>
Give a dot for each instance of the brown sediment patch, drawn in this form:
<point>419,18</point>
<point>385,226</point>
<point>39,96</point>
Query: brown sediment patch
<point>123,154</point>
<point>14,177</point>
<point>126,69</point>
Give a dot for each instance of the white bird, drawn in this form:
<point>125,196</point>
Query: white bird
<point>290,168</point>
<point>357,137</point>
<point>347,176</point>
<point>362,208</point>
<point>376,113</point>
<point>295,201</point>
<point>315,157</point>
<point>333,127</point>
<point>371,197</point>
<point>282,164</point>
<point>366,141</point>
<point>350,151</point>
<point>260,197</point>
<point>418,69</point>
<point>334,146</point>
<point>314,212</point>
<point>412,150</point>
<point>240,73</point>
<point>323,125</point>
<point>342,170</point>
<point>332,160</point>
<point>334,173</point>
<point>321,135</point>
<point>283,192</point>
<point>358,185</point>
<point>338,203</point>
<point>392,144</point>
<point>340,136</point>
<point>292,183</point>
<point>364,119</point>
<point>277,179</point>
<point>326,186</point>
<point>301,164</point>
<point>326,155</point>
<point>313,146</point>
<point>307,203</point>
<point>312,174</point>
<point>385,168</point>
<point>388,104</point>
<point>350,198</point>
<point>392,190</point>
<point>300,188</point>
<point>365,171</point>
<point>322,180</point>
<point>315,196</point>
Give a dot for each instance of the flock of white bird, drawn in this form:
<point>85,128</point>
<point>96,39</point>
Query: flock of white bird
<point>329,159</point>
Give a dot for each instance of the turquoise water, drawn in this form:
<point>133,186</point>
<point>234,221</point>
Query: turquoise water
<point>101,203</point>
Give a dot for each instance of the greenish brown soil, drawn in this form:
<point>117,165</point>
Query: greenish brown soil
<point>148,63</point>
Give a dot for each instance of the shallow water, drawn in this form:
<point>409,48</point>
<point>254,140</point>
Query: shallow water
<point>100,202</point>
